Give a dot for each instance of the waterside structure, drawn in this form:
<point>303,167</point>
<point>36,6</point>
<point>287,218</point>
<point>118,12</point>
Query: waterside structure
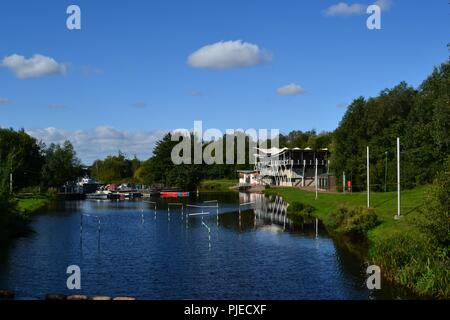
<point>291,168</point>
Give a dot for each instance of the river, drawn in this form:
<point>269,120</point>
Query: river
<point>129,249</point>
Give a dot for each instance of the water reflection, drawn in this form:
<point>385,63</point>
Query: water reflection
<point>139,251</point>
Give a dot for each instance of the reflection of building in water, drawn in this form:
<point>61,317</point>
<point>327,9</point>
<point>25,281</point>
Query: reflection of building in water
<point>268,210</point>
<point>247,178</point>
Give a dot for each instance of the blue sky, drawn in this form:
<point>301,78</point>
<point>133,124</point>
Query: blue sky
<point>125,76</point>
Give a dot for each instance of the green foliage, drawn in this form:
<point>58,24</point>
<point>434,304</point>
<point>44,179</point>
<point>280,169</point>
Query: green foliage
<point>300,213</point>
<point>421,118</point>
<point>354,220</point>
<point>412,260</point>
<point>116,169</point>
<point>299,207</point>
<point>160,170</point>
<point>60,165</point>
<point>434,218</point>
<point>21,155</point>
<point>220,185</point>
<point>300,139</point>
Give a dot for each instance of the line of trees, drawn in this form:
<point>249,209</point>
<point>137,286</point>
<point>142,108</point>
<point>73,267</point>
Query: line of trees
<point>117,169</point>
<point>421,118</point>
<point>33,164</point>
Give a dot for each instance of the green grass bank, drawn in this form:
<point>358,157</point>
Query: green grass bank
<point>219,185</point>
<point>30,204</point>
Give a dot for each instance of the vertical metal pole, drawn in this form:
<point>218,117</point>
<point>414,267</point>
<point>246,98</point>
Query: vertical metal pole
<point>368,179</point>
<point>304,169</point>
<point>398,177</point>
<point>317,162</point>
<point>217,213</point>
<point>385,172</point>
<point>343,182</point>
<point>239,216</point>
<point>317,228</point>
<point>10,182</point>
<point>81,227</point>
<point>98,218</point>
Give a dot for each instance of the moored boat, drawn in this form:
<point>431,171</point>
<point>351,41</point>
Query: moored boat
<point>174,194</point>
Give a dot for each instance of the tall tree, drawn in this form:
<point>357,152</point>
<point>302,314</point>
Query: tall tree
<point>61,165</point>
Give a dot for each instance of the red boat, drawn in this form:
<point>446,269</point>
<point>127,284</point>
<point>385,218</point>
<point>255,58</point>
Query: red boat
<point>174,194</point>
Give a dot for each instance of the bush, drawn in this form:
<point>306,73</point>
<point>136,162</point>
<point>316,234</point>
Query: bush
<point>412,260</point>
<point>300,213</point>
<point>434,218</point>
<point>298,207</point>
<point>354,220</point>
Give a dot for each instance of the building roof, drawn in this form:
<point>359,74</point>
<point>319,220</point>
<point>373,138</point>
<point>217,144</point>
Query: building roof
<point>247,171</point>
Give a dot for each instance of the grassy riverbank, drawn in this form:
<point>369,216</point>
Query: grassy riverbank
<point>33,203</point>
<point>219,185</point>
<point>405,253</point>
<point>385,204</point>
<point>15,213</point>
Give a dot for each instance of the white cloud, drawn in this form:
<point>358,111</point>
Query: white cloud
<point>290,90</point>
<point>102,141</point>
<point>36,66</point>
<point>345,9</point>
<point>4,101</point>
<point>228,54</point>
<point>385,5</point>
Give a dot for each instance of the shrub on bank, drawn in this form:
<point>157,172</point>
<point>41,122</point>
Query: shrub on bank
<point>301,213</point>
<point>353,220</point>
<point>434,218</point>
<point>413,260</point>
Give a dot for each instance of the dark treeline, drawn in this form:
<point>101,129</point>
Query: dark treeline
<point>117,169</point>
<point>34,165</point>
<point>421,118</point>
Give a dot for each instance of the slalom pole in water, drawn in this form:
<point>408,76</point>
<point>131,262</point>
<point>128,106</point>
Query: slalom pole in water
<point>81,231</point>
<point>99,229</point>
<point>317,228</point>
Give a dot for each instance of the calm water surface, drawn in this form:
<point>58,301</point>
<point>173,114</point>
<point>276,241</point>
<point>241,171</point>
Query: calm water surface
<point>258,254</point>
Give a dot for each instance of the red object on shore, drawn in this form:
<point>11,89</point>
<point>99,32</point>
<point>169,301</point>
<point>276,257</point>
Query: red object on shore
<point>349,185</point>
<point>174,194</point>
